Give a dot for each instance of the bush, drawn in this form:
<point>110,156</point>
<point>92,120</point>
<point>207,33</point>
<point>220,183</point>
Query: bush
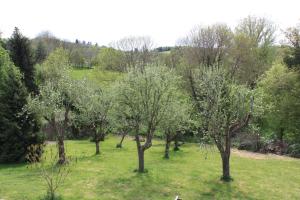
<point>247,141</point>
<point>294,150</point>
<point>274,146</point>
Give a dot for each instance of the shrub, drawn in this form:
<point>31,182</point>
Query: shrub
<point>294,150</point>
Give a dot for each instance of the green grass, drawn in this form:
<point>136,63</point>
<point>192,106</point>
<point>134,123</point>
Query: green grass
<point>187,173</point>
<point>101,77</point>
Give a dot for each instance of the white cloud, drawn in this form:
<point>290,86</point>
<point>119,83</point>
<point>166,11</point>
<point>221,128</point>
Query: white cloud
<point>165,21</point>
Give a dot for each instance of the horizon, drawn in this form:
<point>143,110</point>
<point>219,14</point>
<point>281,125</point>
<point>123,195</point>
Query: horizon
<point>107,21</point>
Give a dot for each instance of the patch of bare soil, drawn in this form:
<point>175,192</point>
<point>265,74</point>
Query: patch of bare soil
<point>49,143</point>
<point>259,156</point>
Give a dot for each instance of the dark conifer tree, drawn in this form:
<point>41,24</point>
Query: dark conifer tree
<point>21,54</point>
<point>18,129</point>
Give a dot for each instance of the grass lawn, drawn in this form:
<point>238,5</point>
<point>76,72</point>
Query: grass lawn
<point>101,77</point>
<point>188,173</point>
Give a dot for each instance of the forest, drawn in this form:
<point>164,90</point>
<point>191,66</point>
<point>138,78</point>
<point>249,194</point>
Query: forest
<point>215,116</point>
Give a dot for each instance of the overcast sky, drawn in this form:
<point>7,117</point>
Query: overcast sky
<point>165,21</point>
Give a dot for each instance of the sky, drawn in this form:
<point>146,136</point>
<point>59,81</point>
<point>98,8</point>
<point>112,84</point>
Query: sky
<point>165,21</point>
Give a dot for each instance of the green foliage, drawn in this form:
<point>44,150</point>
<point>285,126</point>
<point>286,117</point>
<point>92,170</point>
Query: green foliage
<point>18,129</point>
<point>292,58</point>
<point>55,67</point>
<point>40,52</point>
<point>223,101</point>
<point>177,116</point>
<point>294,150</point>
<point>223,108</point>
<point>56,98</point>
<point>21,54</point>
<point>252,51</point>
<point>77,58</point>
<point>280,94</point>
<point>81,53</point>
<point>56,88</point>
<point>2,42</point>
<point>110,59</point>
<point>145,96</point>
<point>94,110</point>
<point>171,58</point>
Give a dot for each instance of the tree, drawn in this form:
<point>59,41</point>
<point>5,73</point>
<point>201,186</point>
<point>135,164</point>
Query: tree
<point>260,30</point>
<point>252,52</point>
<point>121,122</point>
<point>175,120</point>
<point>21,54</point>
<point>204,46</point>
<point>40,52</point>
<point>292,58</point>
<point>49,40</point>
<point>145,96</point>
<point>2,42</point>
<point>173,58</point>
<point>56,98</point>
<point>18,129</point>
<point>55,67</point>
<point>208,45</point>
<point>224,108</point>
<point>137,50</point>
<point>77,57</point>
<point>280,94</point>
<point>54,103</point>
<point>111,59</point>
<point>94,108</point>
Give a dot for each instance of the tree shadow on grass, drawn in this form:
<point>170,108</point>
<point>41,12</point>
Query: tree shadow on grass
<point>137,186</point>
<point>223,190</point>
<point>12,166</point>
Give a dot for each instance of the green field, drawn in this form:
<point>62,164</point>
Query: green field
<point>187,173</point>
<point>101,77</point>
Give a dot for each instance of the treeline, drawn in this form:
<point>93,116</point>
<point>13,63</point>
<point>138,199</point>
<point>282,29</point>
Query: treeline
<point>218,85</point>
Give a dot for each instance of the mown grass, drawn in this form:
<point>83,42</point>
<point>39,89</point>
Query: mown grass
<point>101,77</point>
<point>188,173</point>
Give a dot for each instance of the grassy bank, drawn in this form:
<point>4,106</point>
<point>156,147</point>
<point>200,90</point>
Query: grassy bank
<point>101,77</point>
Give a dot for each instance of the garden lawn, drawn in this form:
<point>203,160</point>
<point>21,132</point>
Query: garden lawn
<point>193,173</point>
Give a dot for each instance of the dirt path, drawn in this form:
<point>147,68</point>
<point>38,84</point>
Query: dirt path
<point>259,156</point>
<point>49,143</point>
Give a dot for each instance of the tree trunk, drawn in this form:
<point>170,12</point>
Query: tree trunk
<point>120,144</point>
<point>140,150</point>
<point>281,133</point>
<point>61,150</point>
<point>60,139</point>
<point>226,167</point>
<point>97,146</point>
<point>226,158</point>
<point>141,160</point>
<point>167,149</point>
<point>59,130</point>
<point>176,143</point>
